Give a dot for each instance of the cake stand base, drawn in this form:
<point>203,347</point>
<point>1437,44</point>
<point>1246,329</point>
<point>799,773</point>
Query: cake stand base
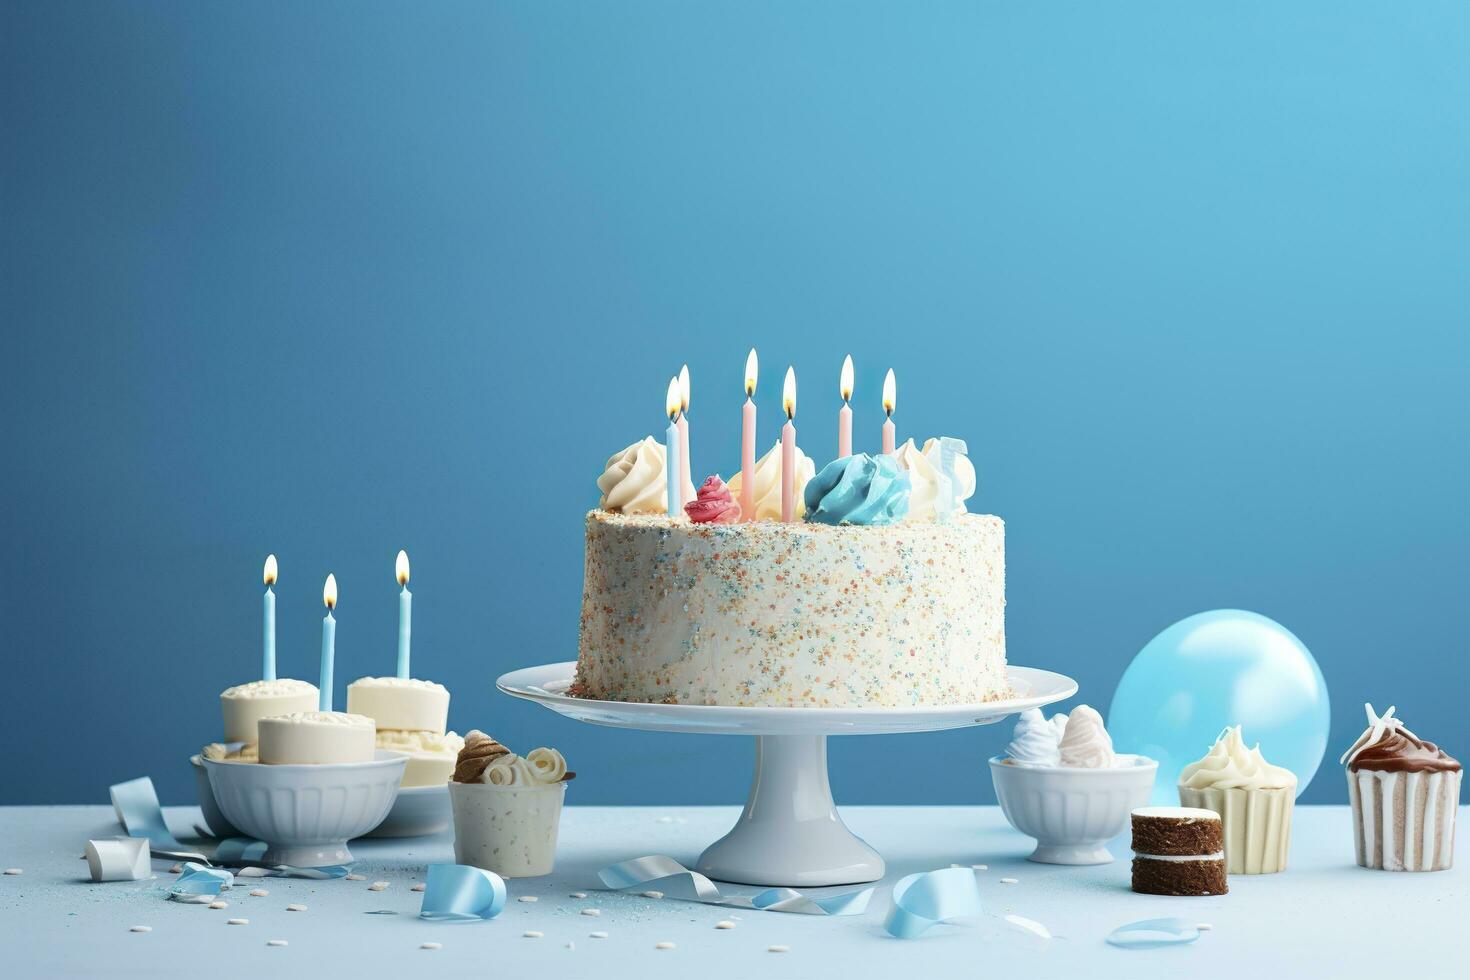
<point>790,833</point>
<point>1071,854</point>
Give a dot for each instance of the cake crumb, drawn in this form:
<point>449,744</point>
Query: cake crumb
<point>532,934</point>
<point>431,946</point>
<point>141,929</point>
<point>275,942</point>
<point>778,949</point>
<point>598,935</point>
<point>418,887</point>
<point>527,898</point>
<point>592,911</point>
<point>219,905</point>
<point>258,893</point>
<point>724,924</point>
<point>237,922</point>
<point>663,945</point>
<point>378,886</point>
<point>295,908</point>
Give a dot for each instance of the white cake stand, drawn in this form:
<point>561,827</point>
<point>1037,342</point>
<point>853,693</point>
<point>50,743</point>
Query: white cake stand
<point>790,833</point>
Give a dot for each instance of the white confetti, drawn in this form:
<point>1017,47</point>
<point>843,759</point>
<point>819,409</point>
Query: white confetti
<point>527,898</point>
<point>258,893</point>
<point>353,877</point>
<point>275,942</point>
<point>219,905</point>
<point>778,949</point>
<point>579,894</point>
<point>598,935</point>
<point>532,934</point>
<point>1010,881</point>
<point>1029,925</point>
<point>980,867</point>
<point>237,922</point>
<point>141,929</point>
<point>15,871</point>
<point>378,886</point>
<point>419,887</point>
<point>724,924</point>
<point>295,908</point>
<point>431,946</point>
<point>1203,926</point>
<point>663,945</point>
<point>592,911</point>
<point>653,894</point>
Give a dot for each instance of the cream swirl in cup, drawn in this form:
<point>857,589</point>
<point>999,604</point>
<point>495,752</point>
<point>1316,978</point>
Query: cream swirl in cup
<point>1230,765</point>
<point>547,765</point>
<point>1085,742</point>
<point>633,481</point>
<point>509,770</point>
<point>1035,742</point>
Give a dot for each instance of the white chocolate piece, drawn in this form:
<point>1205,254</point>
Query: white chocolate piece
<point>401,704</point>
<point>316,737</point>
<point>245,704</point>
<point>431,757</point>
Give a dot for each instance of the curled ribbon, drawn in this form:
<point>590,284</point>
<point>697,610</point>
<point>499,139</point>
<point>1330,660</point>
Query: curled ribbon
<point>461,893</point>
<point>118,859</point>
<point>136,804</point>
<point>196,883</point>
<point>924,900</point>
<point>677,881</point>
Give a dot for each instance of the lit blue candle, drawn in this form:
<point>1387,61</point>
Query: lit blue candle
<point>268,651</point>
<point>405,615</point>
<point>329,644</point>
<point>672,471</point>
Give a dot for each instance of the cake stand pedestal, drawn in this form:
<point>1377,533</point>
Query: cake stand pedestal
<point>790,832</point>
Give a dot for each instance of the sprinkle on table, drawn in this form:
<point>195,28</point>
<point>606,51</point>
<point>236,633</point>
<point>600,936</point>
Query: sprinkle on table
<point>663,945</point>
<point>275,942</point>
<point>980,867</point>
<point>778,949</point>
<point>431,945</point>
<point>724,924</point>
<point>219,904</point>
<point>356,877</point>
<point>258,893</point>
<point>597,935</point>
<point>1010,881</point>
<point>237,922</point>
<point>579,894</point>
<point>1203,926</point>
<point>295,908</point>
<point>593,912</point>
<point>418,887</point>
<point>378,886</point>
<point>141,929</point>
<point>527,898</point>
<point>15,871</point>
<point>653,894</point>
<point>532,934</point>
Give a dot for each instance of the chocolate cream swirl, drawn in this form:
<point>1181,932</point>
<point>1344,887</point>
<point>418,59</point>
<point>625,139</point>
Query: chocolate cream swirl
<point>1387,746</point>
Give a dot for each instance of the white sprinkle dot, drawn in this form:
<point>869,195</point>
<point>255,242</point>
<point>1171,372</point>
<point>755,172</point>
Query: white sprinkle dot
<point>531,934</point>
<point>15,871</point>
<point>219,905</point>
<point>980,867</point>
<point>237,922</point>
<point>724,924</point>
<point>141,929</point>
<point>571,945</point>
<point>527,898</point>
<point>598,935</point>
<point>431,946</point>
<point>592,911</point>
<point>419,887</point>
<point>665,819</point>
<point>258,893</point>
<point>663,945</point>
<point>653,894</point>
<point>1203,926</point>
<point>295,908</point>
<point>778,949</point>
<point>579,894</point>
<point>956,865</point>
<point>357,877</point>
<point>275,942</point>
<point>378,886</point>
<point>1010,881</point>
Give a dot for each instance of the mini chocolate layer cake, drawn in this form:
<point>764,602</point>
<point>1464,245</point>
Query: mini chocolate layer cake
<point>1178,850</point>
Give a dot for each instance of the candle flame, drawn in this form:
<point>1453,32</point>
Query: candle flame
<point>890,393</point>
<point>788,393</point>
<point>270,570</point>
<point>752,369</point>
<point>400,568</point>
<point>684,389</point>
<point>845,384</point>
<point>671,401</point>
<point>329,593</point>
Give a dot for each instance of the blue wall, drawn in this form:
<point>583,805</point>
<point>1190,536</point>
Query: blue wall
<point>333,279</point>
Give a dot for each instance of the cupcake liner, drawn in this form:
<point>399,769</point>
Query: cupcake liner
<point>1257,825</point>
<point>1404,821</point>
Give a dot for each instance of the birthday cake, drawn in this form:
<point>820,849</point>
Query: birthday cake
<point>878,590</point>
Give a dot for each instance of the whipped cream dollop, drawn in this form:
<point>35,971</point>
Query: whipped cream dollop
<point>714,504</point>
<point>633,481</point>
<point>768,484</point>
<point>932,497</point>
<point>1230,765</point>
<point>1035,742</point>
<point>859,489</point>
<point>509,770</point>
<point>1086,743</point>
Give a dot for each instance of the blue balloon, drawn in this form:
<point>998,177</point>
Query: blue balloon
<point>1227,667</point>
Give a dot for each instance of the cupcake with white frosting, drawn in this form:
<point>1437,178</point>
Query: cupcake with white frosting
<point>1253,798</point>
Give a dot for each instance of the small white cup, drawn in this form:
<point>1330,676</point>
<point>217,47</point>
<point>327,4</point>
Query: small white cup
<point>1072,813</point>
<point>510,830</point>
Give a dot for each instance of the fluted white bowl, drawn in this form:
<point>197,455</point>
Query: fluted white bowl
<point>1072,813</point>
<point>306,814</point>
<point>214,821</point>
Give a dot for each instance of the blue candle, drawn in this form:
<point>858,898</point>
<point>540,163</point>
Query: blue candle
<point>268,652</point>
<point>405,615</point>
<point>329,644</point>
<point>672,471</point>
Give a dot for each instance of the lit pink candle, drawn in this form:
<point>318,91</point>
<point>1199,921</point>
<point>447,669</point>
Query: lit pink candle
<point>890,399</point>
<point>788,448</point>
<point>844,414</point>
<point>747,440</point>
<point>686,484</point>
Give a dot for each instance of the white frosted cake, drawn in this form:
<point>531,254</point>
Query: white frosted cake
<point>411,716</point>
<point>797,614</point>
<point>245,704</point>
<point>316,738</point>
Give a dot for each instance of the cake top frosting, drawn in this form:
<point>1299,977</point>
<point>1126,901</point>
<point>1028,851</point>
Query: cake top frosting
<point>403,682</point>
<point>1387,746</point>
<point>859,489</point>
<point>767,484</point>
<point>269,689</point>
<point>1077,741</point>
<point>633,481</point>
<point>1176,813</point>
<point>1230,765</point>
<point>714,504</point>
<point>329,718</point>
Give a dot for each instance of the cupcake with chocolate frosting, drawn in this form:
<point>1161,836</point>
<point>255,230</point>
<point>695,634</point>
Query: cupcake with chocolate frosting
<point>1404,792</point>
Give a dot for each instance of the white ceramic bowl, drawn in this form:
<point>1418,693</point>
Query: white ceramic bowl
<point>417,812</point>
<point>1072,813</point>
<point>306,814</point>
<point>214,821</point>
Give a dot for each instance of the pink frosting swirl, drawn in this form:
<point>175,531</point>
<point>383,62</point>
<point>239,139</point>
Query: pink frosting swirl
<point>714,505</point>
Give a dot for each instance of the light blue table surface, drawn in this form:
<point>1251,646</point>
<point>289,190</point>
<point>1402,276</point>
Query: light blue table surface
<point>1323,916</point>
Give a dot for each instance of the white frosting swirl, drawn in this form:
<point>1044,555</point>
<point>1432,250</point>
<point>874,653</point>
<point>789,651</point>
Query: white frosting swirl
<point>1230,765</point>
<point>964,473</point>
<point>547,765</point>
<point>1036,741</point>
<point>1085,741</point>
<point>768,484</point>
<point>509,770</point>
<point>633,481</point>
<point>925,480</point>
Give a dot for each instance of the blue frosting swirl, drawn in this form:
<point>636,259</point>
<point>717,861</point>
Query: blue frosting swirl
<point>859,489</point>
